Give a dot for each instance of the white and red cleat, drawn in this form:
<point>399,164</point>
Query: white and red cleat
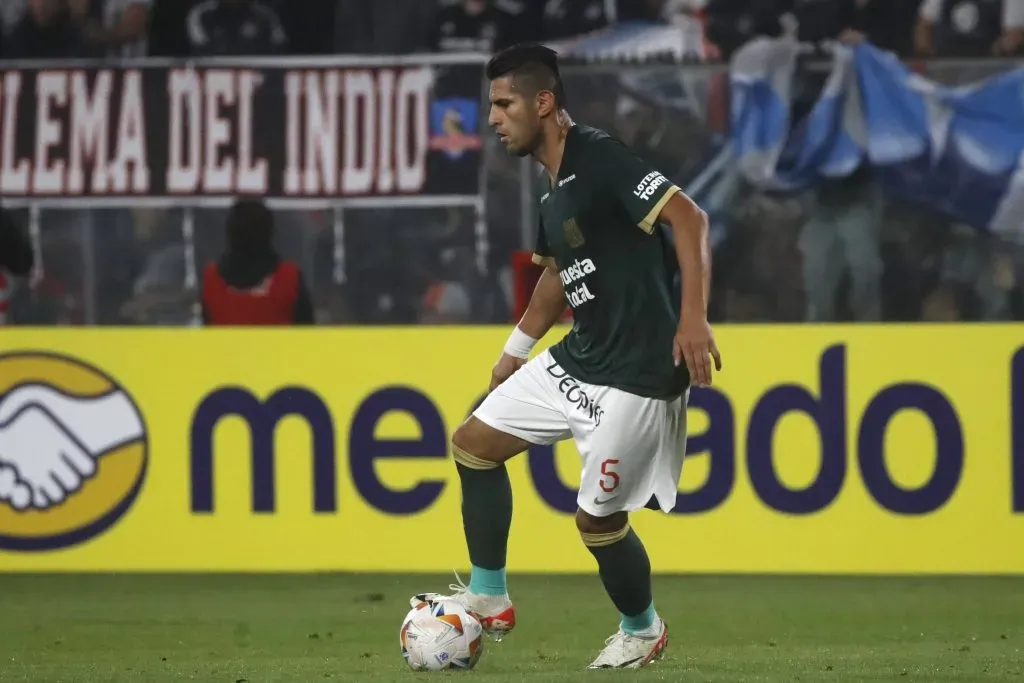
<point>627,651</point>
<point>496,613</point>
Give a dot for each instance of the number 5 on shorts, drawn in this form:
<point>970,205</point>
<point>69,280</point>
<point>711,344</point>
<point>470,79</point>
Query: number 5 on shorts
<point>609,478</point>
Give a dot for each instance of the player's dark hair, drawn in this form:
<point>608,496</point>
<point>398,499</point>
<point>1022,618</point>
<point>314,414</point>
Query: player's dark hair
<point>532,67</point>
<point>250,227</point>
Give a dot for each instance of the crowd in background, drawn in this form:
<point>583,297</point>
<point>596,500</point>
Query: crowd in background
<point>876,260</point>
<point>77,28</point>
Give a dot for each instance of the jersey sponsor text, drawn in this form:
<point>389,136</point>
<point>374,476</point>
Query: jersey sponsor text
<point>573,276</point>
<point>649,185</point>
<point>577,271</point>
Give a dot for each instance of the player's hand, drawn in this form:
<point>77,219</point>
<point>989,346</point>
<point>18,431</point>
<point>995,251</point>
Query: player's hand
<point>46,463</point>
<point>503,369</point>
<point>695,345</point>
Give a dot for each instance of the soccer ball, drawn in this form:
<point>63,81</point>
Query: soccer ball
<point>439,636</point>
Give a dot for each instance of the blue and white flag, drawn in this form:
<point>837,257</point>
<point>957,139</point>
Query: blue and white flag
<point>958,150</point>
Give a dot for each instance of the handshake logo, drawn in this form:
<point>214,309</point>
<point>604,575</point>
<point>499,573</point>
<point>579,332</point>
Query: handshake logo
<point>50,443</point>
<point>72,447</point>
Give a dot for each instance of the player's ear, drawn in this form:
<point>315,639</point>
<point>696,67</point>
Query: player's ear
<point>545,103</point>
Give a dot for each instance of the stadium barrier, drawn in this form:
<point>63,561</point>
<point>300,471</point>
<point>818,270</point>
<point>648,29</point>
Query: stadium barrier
<point>144,155</point>
<point>820,449</point>
<point>381,171</point>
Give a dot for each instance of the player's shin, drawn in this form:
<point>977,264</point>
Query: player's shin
<point>625,572</point>
<point>486,520</point>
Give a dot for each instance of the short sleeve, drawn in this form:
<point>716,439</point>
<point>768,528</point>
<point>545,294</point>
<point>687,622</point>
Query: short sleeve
<point>542,255</point>
<point>639,188</point>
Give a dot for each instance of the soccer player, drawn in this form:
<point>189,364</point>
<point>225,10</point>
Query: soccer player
<point>618,383</point>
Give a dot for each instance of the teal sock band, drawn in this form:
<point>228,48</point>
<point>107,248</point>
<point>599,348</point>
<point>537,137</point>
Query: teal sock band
<point>488,581</point>
<point>640,622</point>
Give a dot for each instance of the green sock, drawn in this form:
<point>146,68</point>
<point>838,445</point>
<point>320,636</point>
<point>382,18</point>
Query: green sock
<point>639,622</point>
<point>486,515</point>
<point>626,574</point>
<point>488,581</point>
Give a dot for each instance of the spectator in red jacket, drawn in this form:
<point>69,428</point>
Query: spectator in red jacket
<point>251,284</point>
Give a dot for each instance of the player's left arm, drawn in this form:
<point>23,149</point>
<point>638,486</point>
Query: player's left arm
<point>694,341</point>
<point>650,198</point>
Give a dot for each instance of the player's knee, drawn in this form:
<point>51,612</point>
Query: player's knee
<point>467,450</point>
<point>474,446</point>
<point>597,531</point>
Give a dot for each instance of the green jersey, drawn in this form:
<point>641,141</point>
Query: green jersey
<point>598,229</point>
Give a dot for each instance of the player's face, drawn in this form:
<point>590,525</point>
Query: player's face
<point>514,118</point>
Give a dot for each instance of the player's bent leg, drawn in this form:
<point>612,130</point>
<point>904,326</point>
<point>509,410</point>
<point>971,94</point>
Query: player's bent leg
<point>484,446</point>
<point>480,452</point>
<point>625,572</point>
<point>525,409</point>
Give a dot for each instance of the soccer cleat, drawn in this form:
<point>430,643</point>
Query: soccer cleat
<point>496,613</point>
<point>625,651</point>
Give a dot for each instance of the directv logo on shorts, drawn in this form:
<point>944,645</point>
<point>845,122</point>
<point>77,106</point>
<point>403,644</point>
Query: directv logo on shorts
<point>577,271</point>
<point>73,451</point>
<point>574,393</point>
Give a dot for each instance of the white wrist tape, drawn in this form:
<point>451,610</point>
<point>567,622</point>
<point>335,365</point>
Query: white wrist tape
<point>519,343</point>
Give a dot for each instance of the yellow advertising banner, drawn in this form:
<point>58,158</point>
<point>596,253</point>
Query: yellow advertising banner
<point>820,449</point>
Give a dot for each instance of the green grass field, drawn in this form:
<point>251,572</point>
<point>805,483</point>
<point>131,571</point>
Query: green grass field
<point>79,628</point>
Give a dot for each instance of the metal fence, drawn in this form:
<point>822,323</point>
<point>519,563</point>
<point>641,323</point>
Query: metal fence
<point>872,259</point>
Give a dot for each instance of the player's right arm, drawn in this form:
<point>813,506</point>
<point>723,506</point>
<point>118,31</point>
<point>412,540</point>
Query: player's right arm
<point>546,304</point>
<point>545,308</point>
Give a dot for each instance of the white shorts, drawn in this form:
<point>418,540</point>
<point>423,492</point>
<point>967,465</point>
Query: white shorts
<point>632,447</point>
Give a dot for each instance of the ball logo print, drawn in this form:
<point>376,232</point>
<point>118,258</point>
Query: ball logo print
<point>73,451</point>
<point>441,636</point>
